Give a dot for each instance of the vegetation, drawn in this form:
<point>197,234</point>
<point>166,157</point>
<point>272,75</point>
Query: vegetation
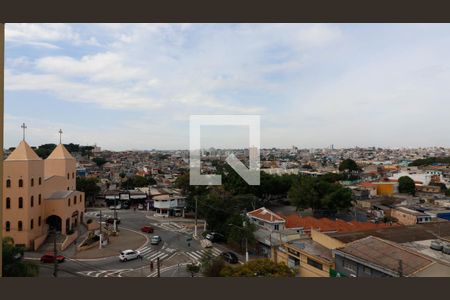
<point>193,269</point>
<point>320,194</point>
<point>137,181</point>
<point>430,161</point>
<point>211,266</point>
<point>100,161</point>
<point>348,165</point>
<point>406,185</point>
<point>13,264</point>
<point>44,150</point>
<point>89,187</point>
<point>258,268</point>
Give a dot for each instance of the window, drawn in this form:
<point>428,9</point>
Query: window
<point>8,203</point>
<point>367,270</point>
<point>349,265</point>
<point>314,263</point>
<point>7,226</point>
<point>20,182</point>
<point>73,175</point>
<point>8,183</point>
<point>39,199</point>
<point>20,202</point>
<point>68,176</point>
<point>19,225</point>
<point>32,181</point>
<point>75,200</point>
<point>39,221</point>
<point>276,227</point>
<point>32,201</point>
<point>68,202</point>
<point>40,180</point>
<point>32,224</point>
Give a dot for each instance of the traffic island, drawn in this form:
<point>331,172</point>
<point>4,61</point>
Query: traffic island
<point>127,239</point>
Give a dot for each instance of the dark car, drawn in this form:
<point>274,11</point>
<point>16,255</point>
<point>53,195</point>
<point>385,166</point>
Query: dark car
<point>230,257</point>
<point>215,237</point>
<point>147,229</point>
<point>50,258</point>
<point>111,221</point>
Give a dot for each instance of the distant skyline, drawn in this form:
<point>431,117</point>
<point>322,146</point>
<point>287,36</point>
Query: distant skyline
<point>134,86</point>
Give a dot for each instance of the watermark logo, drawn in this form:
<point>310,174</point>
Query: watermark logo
<point>251,174</point>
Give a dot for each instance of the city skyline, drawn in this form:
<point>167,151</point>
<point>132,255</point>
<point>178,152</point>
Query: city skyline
<point>134,86</point>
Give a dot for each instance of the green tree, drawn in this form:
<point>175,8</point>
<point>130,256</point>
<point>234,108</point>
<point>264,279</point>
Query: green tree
<point>406,185</point>
<point>258,268</point>
<point>89,187</point>
<point>100,161</point>
<point>303,193</point>
<point>193,269</point>
<point>211,266</point>
<point>13,264</point>
<point>348,165</point>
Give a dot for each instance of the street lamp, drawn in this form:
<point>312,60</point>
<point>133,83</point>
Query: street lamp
<point>246,240</point>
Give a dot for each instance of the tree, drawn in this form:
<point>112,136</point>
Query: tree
<point>100,161</point>
<point>303,193</point>
<point>13,264</point>
<point>211,266</point>
<point>89,187</point>
<point>348,165</point>
<point>258,268</point>
<point>406,185</point>
<point>193,269</point>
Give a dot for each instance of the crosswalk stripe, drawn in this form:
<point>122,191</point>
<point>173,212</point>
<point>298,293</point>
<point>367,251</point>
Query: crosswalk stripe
<point>155,255</point>
<point>191,256</point>
<point>216,251</point>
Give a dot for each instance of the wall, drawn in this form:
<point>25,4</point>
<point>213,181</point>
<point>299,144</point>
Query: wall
<point>385,189</point>
<point>325,240</point>
<point>403,218</point>
<point>69,240</point>
<point>359,271</point>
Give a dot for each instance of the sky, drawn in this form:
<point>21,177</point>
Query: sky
<point>134,86</point>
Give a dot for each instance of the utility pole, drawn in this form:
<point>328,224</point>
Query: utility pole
<point>158,266</point>
<point>100,244</point>
<point>2,58</point>
<point>195,229</point>
<point>55,261</point>
<point>246,242</point>
<point>400,268</point>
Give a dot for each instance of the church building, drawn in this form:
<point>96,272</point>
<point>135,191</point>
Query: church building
<point>39,195</point>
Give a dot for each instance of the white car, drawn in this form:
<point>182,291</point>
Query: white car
<point>140,207</point>
<point>112,207</point>
<point>129,255</point>
<point>155,240</point>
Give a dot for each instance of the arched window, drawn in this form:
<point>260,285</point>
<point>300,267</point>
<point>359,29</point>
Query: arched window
<point>8,183</point>
<point>31,224</point>
<point>32,181</point>
<point>39,199</point>
<point>20,226</point>
<point>32,201</point>
<point>75,200</point>
<point>68,202</point>
<point>20,202</point>
<point>68,176</point>
<point>73,175</point>
<point>20,182</point>
<point>8,226</point>
<point>39,221</point>
<point>8,202</point>
<point>40,180</point>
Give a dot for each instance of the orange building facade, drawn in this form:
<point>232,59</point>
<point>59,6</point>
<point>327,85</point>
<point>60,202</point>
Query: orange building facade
<point>39,195</point>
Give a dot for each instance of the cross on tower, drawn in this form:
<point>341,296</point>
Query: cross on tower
<point>24,127</point>
<point>60,134</point>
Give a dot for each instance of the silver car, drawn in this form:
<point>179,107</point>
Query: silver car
<point>129,255</point>
<point>155,240</point>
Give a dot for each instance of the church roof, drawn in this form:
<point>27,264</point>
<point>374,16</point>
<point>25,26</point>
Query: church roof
<point>23,152</point>
<point>60,152</point>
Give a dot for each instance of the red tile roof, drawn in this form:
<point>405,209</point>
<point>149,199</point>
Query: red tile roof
<point>266,215</point>
<point>324,224</point>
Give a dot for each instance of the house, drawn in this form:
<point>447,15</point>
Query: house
<point>406,216</point>
<point>266,219</point>
<point>375,257</point>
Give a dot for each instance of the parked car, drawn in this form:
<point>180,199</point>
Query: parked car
<point>129,255</point>
<point>50,258</point>
<point>155,240</point>
<point>215,237</point>
<point>125,206</point>
<point>113,207</point>
<point>147,229</point>
<point>230,257</point>
<point>111,221</point>
<point>140,206</point>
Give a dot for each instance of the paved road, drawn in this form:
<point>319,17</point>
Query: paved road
<point>176,239</point>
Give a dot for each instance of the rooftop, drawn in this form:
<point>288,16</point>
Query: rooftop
<point>266,215</point>
<point>386,255</point>
<point>313,248</point>
<point>60,195</point>
<point>23,152</point>
<point>60,152</point>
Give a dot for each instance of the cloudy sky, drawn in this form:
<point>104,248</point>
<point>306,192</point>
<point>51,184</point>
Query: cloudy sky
<point>134,86</point>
